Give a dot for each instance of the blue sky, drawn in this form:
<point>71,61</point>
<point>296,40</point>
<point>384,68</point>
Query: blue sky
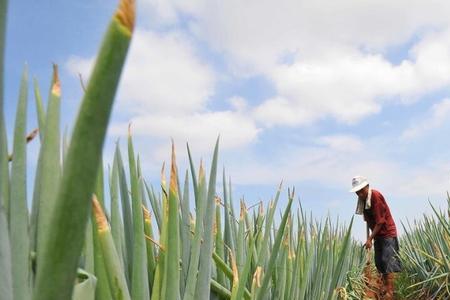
<point>309,92</point>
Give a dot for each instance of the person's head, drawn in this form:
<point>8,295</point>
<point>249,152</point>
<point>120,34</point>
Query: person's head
<point>362,193</point>
<point>360,186</point>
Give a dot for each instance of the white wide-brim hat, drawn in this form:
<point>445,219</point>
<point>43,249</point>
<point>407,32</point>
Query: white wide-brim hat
<point>358,183</point>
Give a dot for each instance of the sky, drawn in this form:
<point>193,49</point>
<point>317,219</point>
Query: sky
<point>308,92</point>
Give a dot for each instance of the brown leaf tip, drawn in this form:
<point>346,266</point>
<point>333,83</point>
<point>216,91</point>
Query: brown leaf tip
<point>243,211</point>
<point>147,215</point>
<point>201,172</point>
<point>100,218</point>
<point>129,129</point>
<point>257,276</point>
<point>173,171</point>
<point>261,208</point>
<point>56,84</point>
<point>126,13</point>
<point>163,175</point>
<point>233,267</point>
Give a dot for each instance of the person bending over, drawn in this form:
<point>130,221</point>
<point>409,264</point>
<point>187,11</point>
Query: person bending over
<point>383,232</point>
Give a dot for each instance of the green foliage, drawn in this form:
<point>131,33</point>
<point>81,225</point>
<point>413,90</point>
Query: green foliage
<point>18,225</point>
<point>192,249</point>
<point>84,286</point>
<point>6,289</point>
<point>60,206</point>
<point>62,246</point>
<point>425,249</point>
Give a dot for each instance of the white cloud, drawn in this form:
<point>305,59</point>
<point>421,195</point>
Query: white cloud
<point>76,66</point>
<point>342,85</point>
<point>337,66</point>
<point>348,85</point>
<point>429,180</point>
<point>165,12</point>
<point>437,115</point>
<point>161,11</point>
<point>324,60</point>
<point>331,162</point>
<point>256,33</point>
<point>342,143</point>
<point>162,74</point>
<point>337,158</point>
<point>199,129</point>
<point>164,92</point>
<point>238,103</point>
<point>280,111</point>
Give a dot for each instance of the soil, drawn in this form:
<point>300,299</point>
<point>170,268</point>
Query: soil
<point>373,282</point>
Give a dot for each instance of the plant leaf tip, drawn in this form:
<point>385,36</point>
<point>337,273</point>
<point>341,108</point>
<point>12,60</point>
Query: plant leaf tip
<point>163,176</point>
<point>129,129</point>
<point>100,217</point>
<point>56,86</point>
<point>126,13</point>
<point>173,171</point>
<point>147,214</point>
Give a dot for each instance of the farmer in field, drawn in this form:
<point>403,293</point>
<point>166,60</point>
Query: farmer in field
<point>373,206</point>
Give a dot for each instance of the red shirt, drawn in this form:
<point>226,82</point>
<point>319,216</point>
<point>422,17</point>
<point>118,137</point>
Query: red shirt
<point>379,213</point>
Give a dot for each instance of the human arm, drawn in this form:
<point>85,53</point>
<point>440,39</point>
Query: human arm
<point>379,217</point>
<point>370,237</point>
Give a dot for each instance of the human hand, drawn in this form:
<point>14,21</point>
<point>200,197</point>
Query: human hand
<point>368,244</point>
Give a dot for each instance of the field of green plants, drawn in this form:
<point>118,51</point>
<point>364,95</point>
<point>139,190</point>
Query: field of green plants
<point>179,239</point>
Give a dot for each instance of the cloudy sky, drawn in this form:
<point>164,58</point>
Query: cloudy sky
<point>309,92</point>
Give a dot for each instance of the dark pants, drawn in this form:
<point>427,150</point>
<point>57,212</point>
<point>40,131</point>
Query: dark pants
<point>386,255</point>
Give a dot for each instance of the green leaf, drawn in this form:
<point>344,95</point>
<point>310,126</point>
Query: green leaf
<point>240,238</point>
<point>35,205</point>
<point>65,146</point>
<point>220,290</point>
<point>4,168</point>
<point>62,246</point>
<point>49,168</point>
<point>5,259</point>
<point>139,279</point>
<point>200,196</point>
<point>151,260</point>
<point>40,109</point>
<point>232,215</point>
<point>126,214</point>
<point>238,293</point>
<point>194,176</point>
<point>275,251</point>
<point>186,236</point>
<point>116,222</point>
<point>262,251</point>
<point>202,289</point>
<point>89,258</point>
<point>280,282</point>
<point>103,291</point>
<point>228,222</point>
<point>172,271</point>
<point>111,261</point>
<point>219,244</point>
<point>341,258</point>
<point>155,203</point>
<point>20,245</point>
